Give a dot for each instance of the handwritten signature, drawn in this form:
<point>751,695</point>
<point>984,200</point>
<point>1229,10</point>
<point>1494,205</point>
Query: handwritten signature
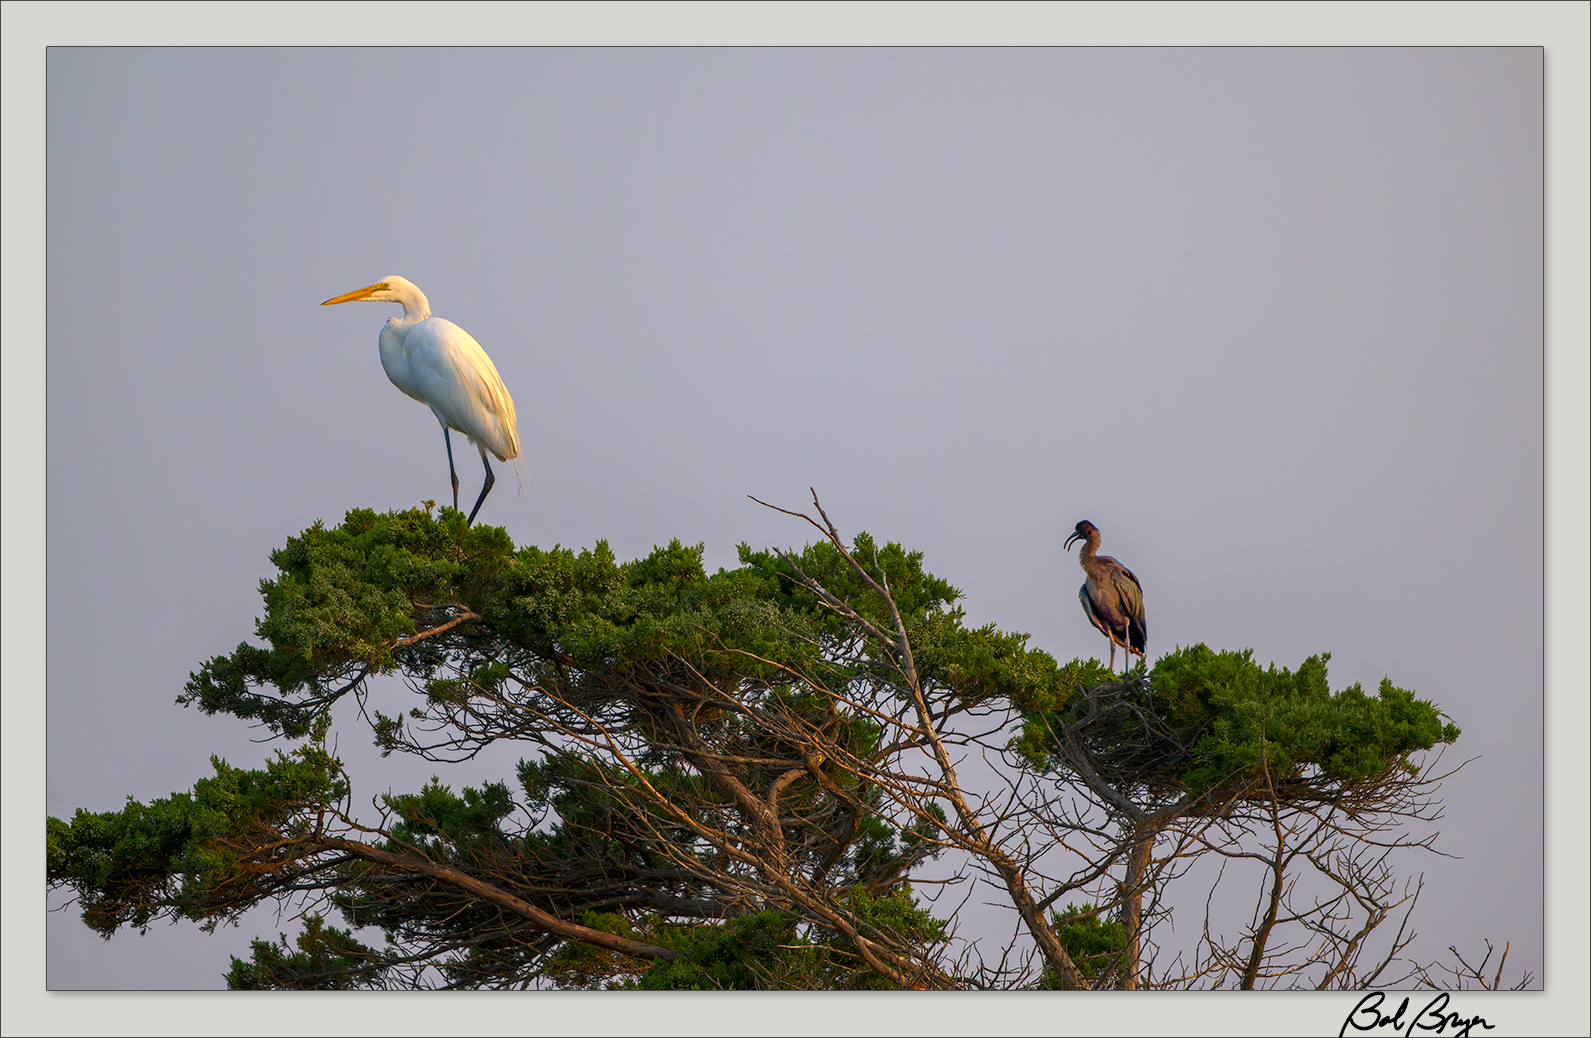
<point>1434,1018</point>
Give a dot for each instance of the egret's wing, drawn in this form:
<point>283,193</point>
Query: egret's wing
<point>395,360</point>
<point>461,384</point>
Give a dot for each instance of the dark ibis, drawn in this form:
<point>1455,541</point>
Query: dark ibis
<point>1112,598</point>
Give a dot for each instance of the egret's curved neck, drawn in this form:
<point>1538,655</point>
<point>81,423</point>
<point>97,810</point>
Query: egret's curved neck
<point>1090,546</point>
<point>416,307</point>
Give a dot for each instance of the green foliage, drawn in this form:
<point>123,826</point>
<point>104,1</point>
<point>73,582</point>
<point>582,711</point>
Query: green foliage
<point>327,959</point>
<point>341,600</point>
<point>898,912</point>
<point>916,593</point>
<point>346,601</point>
<point>895,912</point>
<point>177,855</point>
<point>769,950</point>
<point>356,600</point>
<point>1343,737</point>
<point>747,710</point>
<point>985,663</point>
<point>1040,700</point>
<point>1221,717</point>
<point>577,965</point>
<point>1095,945</point>
<point>742,954</point>
<point>462,821</point>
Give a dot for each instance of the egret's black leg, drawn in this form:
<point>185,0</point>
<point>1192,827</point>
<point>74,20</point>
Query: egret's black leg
<point>447,438</point>
<point>485,489</point>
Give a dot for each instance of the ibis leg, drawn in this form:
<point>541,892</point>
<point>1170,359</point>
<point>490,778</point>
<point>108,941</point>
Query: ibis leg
<point>485,489</point>
<point>447,438</point>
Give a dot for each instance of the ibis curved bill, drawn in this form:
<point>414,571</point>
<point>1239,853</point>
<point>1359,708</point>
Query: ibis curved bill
<point>439,364</point>
<point>1112,598</point>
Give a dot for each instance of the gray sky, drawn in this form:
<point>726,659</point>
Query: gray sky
<point>1270,318</point>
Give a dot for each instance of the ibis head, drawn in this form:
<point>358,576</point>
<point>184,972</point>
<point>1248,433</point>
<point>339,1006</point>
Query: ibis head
<point>1086,532</point>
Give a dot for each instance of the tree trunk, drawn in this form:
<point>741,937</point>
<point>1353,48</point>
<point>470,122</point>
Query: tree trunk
<point>1132,895</point>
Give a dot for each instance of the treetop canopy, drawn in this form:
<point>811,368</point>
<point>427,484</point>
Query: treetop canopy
<point>768,750</point>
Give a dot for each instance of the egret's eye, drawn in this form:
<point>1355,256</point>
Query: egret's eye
<point>382,287</point>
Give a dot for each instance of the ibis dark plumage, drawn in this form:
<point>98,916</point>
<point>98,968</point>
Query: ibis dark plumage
<point>1112,599</point>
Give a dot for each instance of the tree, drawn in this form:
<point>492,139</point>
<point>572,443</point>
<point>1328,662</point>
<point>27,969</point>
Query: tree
<point>750,779</point>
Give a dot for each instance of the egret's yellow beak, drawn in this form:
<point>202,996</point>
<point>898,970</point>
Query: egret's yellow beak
<point>358,293</point>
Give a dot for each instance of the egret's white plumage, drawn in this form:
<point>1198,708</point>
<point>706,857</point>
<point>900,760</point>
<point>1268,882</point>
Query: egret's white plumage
<point>439,364</point>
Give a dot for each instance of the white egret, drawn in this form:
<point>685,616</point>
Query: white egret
<point>442,366</point>
<point>1112,598</point>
